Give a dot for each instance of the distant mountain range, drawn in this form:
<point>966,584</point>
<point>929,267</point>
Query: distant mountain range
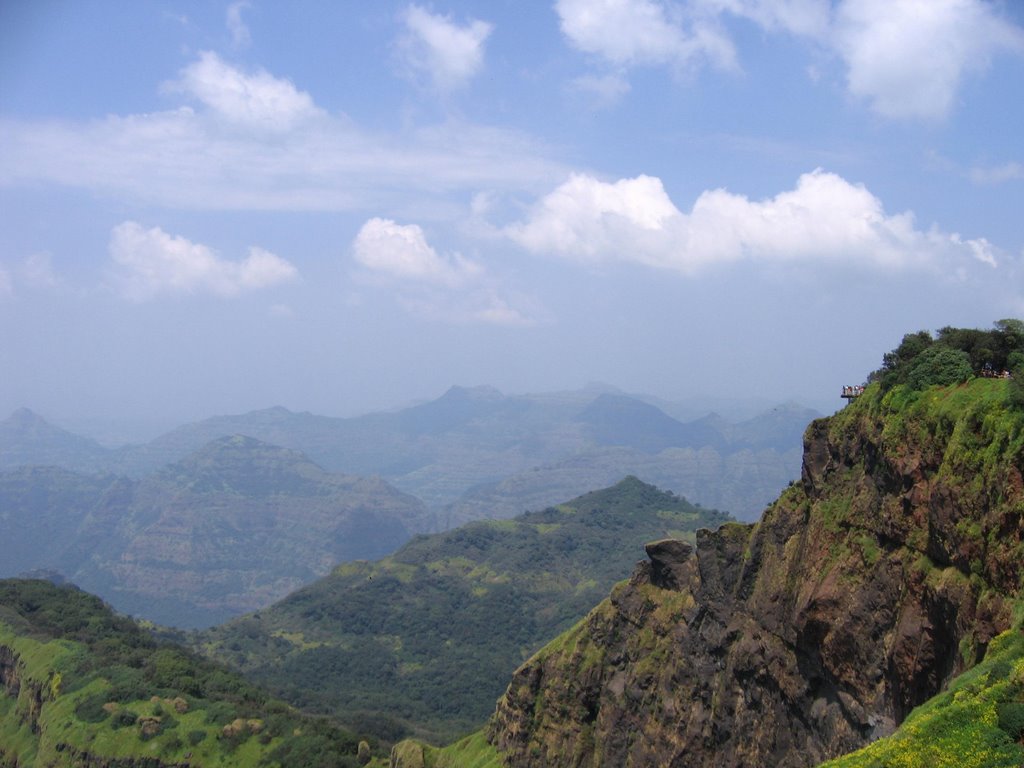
<point>475,452</point>
<point>231,527</point>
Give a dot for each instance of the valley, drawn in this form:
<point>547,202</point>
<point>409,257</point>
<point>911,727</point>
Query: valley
<point>872,616</point>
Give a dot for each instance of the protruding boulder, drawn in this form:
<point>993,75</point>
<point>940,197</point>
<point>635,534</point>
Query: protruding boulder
<point>669,562</point>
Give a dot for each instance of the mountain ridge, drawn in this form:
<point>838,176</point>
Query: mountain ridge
<point>441,450</point>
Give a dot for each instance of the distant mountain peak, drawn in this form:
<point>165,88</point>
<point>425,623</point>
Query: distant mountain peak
<point>482,392</point>
<point>25,416</point>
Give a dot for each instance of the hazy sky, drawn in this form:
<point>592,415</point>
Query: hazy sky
<point>342,206</point>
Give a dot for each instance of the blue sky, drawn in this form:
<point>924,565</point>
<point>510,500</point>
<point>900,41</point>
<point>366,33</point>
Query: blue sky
<point>337,207</point>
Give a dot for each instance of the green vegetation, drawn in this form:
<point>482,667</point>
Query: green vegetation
<point>423,642</point>
<point>80,684</point>
<point>953,356</point>
<point>977,723</point>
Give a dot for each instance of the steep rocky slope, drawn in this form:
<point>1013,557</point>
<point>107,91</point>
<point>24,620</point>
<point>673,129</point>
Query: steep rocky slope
<point>870,584</point>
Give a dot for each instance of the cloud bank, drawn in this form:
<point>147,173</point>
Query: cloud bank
<point>824,219</point>
<point>255,141</point>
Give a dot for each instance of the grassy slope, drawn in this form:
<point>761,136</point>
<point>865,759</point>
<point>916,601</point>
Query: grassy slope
<point>92,686</point>
<point>424,641</point>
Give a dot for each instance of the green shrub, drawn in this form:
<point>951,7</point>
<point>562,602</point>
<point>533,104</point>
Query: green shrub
<point>90,709</point>
<point>196,737</point>
<point>1011,719</point>
<point>124,718</point>
<point>220,713</point>
<point>938,365</point>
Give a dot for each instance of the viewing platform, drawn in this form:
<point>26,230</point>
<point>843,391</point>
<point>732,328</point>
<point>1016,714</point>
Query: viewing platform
<point>851,392</point>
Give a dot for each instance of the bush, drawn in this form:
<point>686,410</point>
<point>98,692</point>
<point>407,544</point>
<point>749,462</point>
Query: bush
<point>1011,719</point>
<point>90,709</point>
<point>124,719</point>
<point>1015,392</point>
<point>196,737</point>
<point>939,365</point>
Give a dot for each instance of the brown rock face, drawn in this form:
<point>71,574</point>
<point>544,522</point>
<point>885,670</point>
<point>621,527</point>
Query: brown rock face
<point>862,591</point>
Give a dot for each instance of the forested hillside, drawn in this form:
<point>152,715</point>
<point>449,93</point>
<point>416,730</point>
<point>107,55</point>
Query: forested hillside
<point>423,641</point>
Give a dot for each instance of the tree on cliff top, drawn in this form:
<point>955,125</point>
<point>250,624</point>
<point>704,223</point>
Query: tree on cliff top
<point>952,356</point>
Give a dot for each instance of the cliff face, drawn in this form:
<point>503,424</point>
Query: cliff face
<point>869,584</point>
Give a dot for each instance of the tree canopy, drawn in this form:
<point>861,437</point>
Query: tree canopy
<point>953,355</point>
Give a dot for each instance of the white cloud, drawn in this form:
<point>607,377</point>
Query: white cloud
<point>239,30</point>
<point>231,152</point>
<point>800,17</point>
<point>909,57</point>
<point>401,251</point>
<point>259,100</point>
<point>151,262</point>
<point>824,219</point>
<point>643,32</point>
<point>449,55</point>
<point>446,288</point>
<point>906,58</point>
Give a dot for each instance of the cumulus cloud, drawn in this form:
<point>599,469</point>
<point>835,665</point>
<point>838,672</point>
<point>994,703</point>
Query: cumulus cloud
<point>401,251</point>
<point>823,219</point>
<point>447,54</point>
<point>448,288</point>
<point>909,57</point>
<point>643,32</point>
<point>905,58</point>
<point>150,262</point>
<point>255,100</point>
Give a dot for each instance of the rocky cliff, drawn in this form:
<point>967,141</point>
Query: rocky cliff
<point>865,588</point>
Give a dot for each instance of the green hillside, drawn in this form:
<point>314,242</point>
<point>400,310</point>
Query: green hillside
<point>81,686</point>
<point>876,610</point>
<point>423,641</point>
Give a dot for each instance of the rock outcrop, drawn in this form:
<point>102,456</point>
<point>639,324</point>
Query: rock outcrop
<point>869,584</point>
